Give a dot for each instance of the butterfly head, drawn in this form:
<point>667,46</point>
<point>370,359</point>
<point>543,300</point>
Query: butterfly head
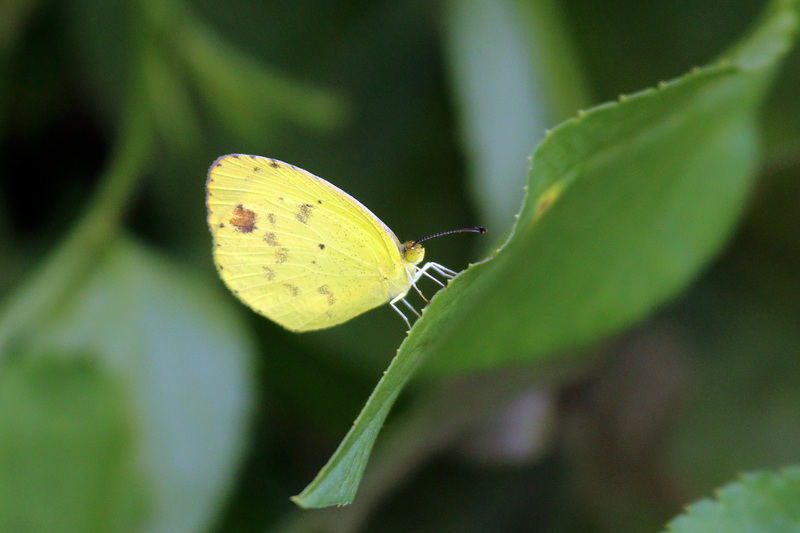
<point>413,252</point>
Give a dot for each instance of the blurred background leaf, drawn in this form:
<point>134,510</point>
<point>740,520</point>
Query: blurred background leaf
<point>44,399</point>
<point>140,371</point>
<point>372,96</point>
<point>758,502</point>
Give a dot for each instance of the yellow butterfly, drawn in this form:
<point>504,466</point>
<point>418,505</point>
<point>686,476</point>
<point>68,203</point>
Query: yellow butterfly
<point>301,251</point>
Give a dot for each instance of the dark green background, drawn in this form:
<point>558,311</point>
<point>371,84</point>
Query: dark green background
<point>706,388</point>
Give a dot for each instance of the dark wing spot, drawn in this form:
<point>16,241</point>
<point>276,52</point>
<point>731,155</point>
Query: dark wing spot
<point>321,246</point>
<point>319,202</point>
<point>323,289</point>
<point>271,218</point>
<point>243,219</point>
<point>281,256</point>
<point>304,213</point>
<point>235,156</point>
<point>274,164</point>
<point>293,290</point>
<point>256,168</point>
<point>269,273</point>
<point>271,239</point>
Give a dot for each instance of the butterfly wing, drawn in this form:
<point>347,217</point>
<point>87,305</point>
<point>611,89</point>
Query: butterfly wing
<point>297,249</point>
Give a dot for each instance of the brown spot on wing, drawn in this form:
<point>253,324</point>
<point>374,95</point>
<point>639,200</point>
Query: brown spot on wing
<point>269,273</point>
<point>242,219</point>
<point>293,290</point>
<point>271,218</point>
<point>321,246</point>
<point>324,289</point>
<point>304,213</point>
<point>271,239</point>
<point>281,255</point>
<point>274,164</point>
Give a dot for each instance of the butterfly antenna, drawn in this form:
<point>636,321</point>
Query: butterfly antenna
<point>474,229</point>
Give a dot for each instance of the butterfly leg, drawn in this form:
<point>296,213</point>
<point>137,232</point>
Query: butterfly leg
<point>410,306</point>
<point>414,284</point>
<point>442,270</point>
<point>439,269</point>
<point>423,271</point>
<point>401,298</point>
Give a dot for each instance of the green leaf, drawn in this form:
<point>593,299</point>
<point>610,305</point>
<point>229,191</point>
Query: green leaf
<point>180,393</point>
<point>760,501</point>
<point>626,204</point>
<point>514,74</point>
